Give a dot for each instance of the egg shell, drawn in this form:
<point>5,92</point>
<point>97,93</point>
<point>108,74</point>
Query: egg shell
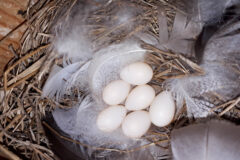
<point>136,124</point>
<point>116,92</point>
<point>138,73</point>
<point>111,118</point>
<point>140,97</point>
<point>162,109</point>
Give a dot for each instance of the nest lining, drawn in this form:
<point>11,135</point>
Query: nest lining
<point>23,108</point>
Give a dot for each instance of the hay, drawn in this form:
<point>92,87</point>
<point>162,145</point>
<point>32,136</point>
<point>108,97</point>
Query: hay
<point>23,108</point>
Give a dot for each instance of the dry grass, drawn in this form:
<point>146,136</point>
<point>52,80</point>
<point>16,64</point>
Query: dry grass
<point>23,108</point>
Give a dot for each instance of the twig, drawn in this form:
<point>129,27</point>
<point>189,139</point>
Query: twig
<point>230,107</point>
<point>222,105</point>
<point>192,64</point>
<point>18,62</point>
<point>4,151</point>
<point>11,48</point>
<point>27,143</point>
<point>10,125</point>
<point>19,123</point>
<point>26,73</point>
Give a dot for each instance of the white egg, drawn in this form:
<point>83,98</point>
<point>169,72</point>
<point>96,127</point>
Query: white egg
<point>140,97</point>
<point>111,118</point>
<point>162,109</point>
<point>116,92</point>
<point>137,73</point>
<point>136,124</point>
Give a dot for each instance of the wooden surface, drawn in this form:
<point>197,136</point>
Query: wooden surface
<point>10,19</point>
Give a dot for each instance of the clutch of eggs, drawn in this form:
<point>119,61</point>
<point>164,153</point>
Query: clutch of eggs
<point>121,99</point>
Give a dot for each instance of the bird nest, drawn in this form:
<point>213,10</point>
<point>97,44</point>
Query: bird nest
<point>24,128</point>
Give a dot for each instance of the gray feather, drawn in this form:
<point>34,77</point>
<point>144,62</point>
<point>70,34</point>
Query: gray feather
<point>208,12</point>
<point>215,140</point>
<point>221,61</point>
<point>181,38</point>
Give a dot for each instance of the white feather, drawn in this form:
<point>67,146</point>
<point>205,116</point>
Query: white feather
<point>57,80</point>
<point>61,80</point>
<point>74,45</point>
<point>215,140</point>
<point>89,71</point>
<point>80,121</point>
<point>106,64</point>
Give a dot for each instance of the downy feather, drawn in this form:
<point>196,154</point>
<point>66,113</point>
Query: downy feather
<point>88,68</point>
<point>220,54</point>
<point>102,67</point>
<point>80,121</point>
<point>57,80</point>
<point>106,64</point>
